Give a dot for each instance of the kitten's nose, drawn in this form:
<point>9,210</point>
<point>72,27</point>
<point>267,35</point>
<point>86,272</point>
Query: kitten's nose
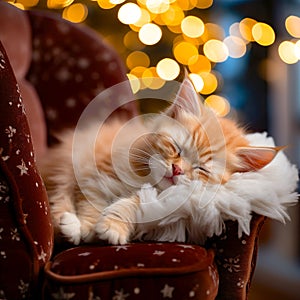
<point>177,170</point>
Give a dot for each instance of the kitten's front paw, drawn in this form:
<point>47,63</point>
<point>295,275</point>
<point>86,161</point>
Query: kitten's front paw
<point>113,230</point>
<point>70,227</point>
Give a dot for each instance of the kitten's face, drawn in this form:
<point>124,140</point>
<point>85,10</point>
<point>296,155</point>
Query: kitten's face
<point>190,142</point>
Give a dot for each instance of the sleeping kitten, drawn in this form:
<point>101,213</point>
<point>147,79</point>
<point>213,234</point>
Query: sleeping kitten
<point>93,193</point>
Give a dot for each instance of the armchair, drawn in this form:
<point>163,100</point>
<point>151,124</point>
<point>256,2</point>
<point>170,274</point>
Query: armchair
<point>49,71</point>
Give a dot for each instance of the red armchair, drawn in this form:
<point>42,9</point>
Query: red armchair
<point>59,68</point>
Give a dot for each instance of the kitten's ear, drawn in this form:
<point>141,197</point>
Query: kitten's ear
<point>255,158</point>
<point>186,99</point>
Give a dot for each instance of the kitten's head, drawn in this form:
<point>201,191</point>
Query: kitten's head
<point>189,141</point>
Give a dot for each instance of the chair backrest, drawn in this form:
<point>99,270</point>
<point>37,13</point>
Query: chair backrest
<point>26,233</point>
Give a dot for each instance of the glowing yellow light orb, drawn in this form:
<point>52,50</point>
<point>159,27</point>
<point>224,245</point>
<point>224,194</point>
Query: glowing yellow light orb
<point>245,28</point>
<point>150,34</point>
<point>263,34</point>
<point>144,19</point>
<point>173,16</point>
<point>210,83</point>
<point>185,53</point>
<point>137,58</point>
<point>105,4</point>
<point>157,6</point>
<point>297,49</point>
<point>151,79</point>
<point>292,25</point>
<point>219,104</point>
<point>129,13</point>
<point>203,4</point>
<point>134,83</point>
<point>132,42</point>
<point>236,46</point>
<point>75,13</point>
<point>167,69</point>
<point>192,26</point>
<point>216,51</point>
<point>116,1</point>
<point>197,81</point>
<point>201,65</point>
<point>287,53</point>
<point>57,4</point>
<point>28,3</point>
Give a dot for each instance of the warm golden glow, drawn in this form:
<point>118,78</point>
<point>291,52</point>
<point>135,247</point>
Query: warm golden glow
<point>28,3</point>
<point>150,34</point>
<point>167,69</point>
<point>173,16</point>
<point>297,49</point>
<point>185,53</point>
<point>212,32</point>
<point>216,51</point>
<point>219,104</point>
<point>287,52</point>
<point>132,42</point>
<point>134,83</point>
<point>292,25</point>
<point>204,3</point>
<point>245,28</point>
<point>192,26</point>
<point>129,13</point>
<point>197,81</point>
<point>157,6</point>
<point>202,64</point>
<point>151,79</point>
<point>137,58</point>
<point>210,83</point>
<point>144,18</point>
<point>58,4</point>
<point>105,4</point>
<point>236,46</point>
<point>75,13</point>
<point>116,1</point>
<point>263,34</point>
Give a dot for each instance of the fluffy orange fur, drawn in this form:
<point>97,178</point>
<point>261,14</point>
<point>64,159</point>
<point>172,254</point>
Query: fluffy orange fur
<point>93,194</point>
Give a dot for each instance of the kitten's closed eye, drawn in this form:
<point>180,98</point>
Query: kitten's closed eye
<point>200,168</point>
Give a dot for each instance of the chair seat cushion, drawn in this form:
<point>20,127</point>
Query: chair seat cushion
<point>133,271</point>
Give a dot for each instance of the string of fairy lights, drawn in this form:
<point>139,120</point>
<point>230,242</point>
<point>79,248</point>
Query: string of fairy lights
<point>197,45</point>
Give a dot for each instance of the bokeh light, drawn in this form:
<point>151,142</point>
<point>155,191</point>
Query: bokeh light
<point>134,83</point>
<point>157,6</point>
<point>151,79</point>
<point>192,26</point>
<point>150,34</point>
<point>75,13</point>
<point>28,3</point>
<point>263,34</point>
<point>216,51</point>
<point>219,104</point>
<point>236,46</point>
<point>129,13</point>
<point>245,28</point>
<point>168,69</point>
<point>137,58</point>
<point>105,4</point>
<point>287,52</point>
<point>173,16</point>
<point>210,82</point>
<point>203,4</point>
<point>197,81</point>
<point>202,64</point>
<point>185,53</point>
<point>292,25</point>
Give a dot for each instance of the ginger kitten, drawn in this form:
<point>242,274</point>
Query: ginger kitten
<point>99,200</point>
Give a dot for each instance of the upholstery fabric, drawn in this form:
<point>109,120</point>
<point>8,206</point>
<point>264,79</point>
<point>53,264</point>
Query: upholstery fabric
<point>134,271</point>
<point>26,233</point>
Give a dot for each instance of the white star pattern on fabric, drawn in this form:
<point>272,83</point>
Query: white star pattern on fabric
<point>167,291</point>
<point>119,295</point>
<point>23,168</point>
<point>42,256</point>
<point>118,248</point>
<point>159,253</point>
<point>61,295</point>
<point>187,246</point>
